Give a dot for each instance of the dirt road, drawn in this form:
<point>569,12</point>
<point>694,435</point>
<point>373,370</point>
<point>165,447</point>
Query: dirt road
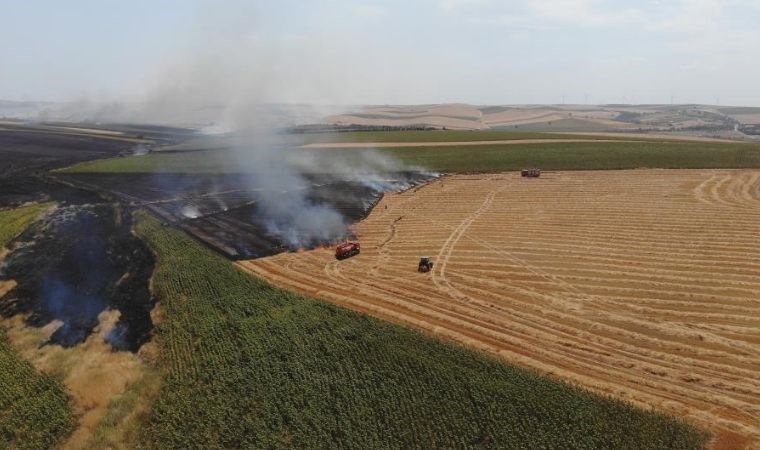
<point>642,284</point>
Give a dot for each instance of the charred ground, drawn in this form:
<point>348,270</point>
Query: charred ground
<point>27,154</point>
<point>75,263</point>
<point>81,258</point>
<point>222,211</point>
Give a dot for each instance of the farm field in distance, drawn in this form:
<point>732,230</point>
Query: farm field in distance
<point>602,154</point>
<point>395,136</point>
<point>640,284</point>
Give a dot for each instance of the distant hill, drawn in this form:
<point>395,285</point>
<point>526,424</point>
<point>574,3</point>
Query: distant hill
<point>702,120</point>
<point>699,120</point>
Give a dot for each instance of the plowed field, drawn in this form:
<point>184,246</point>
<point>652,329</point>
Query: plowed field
<point>642,284</point>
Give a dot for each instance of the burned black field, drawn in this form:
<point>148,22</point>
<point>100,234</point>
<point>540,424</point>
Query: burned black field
<point>73,264</point>
<point>27,154</point>
<point>223,211</point>
<point>79,259</point>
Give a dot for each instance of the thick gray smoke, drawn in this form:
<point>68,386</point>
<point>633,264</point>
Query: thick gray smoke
<point>253,85</point>
<point>283,180</point>
<point>282,192</point>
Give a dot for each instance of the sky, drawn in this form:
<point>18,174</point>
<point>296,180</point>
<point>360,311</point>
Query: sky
<point>382,52</point>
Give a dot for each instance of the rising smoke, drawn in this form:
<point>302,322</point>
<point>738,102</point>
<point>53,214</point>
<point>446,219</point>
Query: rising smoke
<point>282,192</point>
<point>236,79</point>
<point>282,181</point>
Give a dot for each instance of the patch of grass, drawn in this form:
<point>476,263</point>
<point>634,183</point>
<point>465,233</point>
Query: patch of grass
<point>205,161</point>
<point>294,140</point>
<point>249,365</point>
<point>121,426</point>
<point>480,158</point>
<point>14,221</point>
<point>35,411</point>
<point>582,156</point>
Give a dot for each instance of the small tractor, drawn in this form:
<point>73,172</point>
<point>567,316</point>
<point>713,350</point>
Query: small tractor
<point>347,250</point>
<point>531,173</point>
<point>425,265</point>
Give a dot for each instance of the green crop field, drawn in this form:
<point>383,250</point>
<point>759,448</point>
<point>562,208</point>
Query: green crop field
<point>478,158</point>
<point>582,156</point>
<point>385,137</point>
<point>14,221</point>
<point>250,365</point>
<point>35,411</point>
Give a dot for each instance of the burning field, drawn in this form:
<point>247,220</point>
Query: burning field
<point>226,213</point>
<point>74,264</point>
<point>289,205</point>
<point>80,259</point>
<point>641,284</point>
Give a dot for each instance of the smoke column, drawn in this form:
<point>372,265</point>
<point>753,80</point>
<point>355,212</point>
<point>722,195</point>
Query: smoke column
<point>282,193</point>
<point>238,76</point>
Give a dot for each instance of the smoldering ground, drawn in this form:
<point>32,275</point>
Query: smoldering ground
<point>224,212</point>
<point>287,184</point>
<point>80,259</point>
<point>252,82</point>
<point>75,263</point>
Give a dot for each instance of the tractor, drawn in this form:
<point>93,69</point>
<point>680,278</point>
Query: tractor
<point>425,265</point>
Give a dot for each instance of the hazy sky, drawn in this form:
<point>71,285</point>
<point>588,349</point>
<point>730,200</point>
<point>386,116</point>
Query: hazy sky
<point>396,51</point>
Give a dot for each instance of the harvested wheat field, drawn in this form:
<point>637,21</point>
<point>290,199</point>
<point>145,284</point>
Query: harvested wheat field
<point>643,284</point>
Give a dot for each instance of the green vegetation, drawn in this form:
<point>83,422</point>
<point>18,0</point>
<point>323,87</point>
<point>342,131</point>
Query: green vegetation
<point>35,411</point>
<point>14,221</point>
<point>478,158</point>
<point>206,161</point>
<point>250,365</point>
<point>582,156</point>
<point>507,134</point>
<point>122,425</point>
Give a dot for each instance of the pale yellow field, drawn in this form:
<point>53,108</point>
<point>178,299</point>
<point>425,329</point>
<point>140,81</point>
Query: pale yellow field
<point>468,117</point>
<point>643,284</point>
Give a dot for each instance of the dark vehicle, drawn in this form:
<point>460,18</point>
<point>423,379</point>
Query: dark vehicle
<point>425,265</point>
<point>531,173</point>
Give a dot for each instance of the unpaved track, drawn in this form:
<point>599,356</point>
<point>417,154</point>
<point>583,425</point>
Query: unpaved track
<point>643,284</point>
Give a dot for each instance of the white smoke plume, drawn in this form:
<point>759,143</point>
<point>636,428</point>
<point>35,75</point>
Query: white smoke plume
<point>234,78</point>
<point>282,193</point>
